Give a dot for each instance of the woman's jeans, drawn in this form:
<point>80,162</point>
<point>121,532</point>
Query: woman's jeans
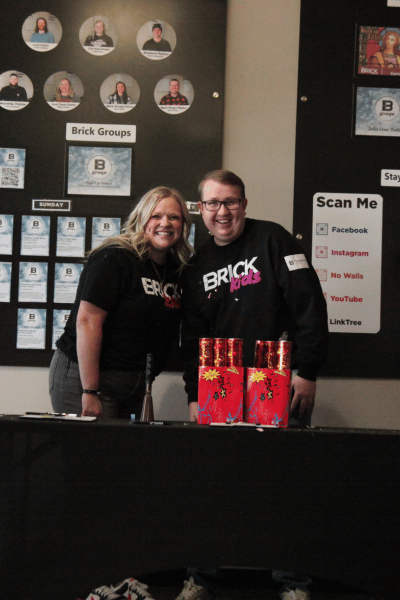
<point>122,392</point>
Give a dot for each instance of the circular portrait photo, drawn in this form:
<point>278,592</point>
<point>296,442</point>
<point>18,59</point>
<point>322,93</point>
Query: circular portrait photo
<point>98,35</point>
<point>63,91</point>
<point>16,90</point>
<point>174,94</point>
<point>156,40</point>
<point>119,93</point>
<point>42,31</point>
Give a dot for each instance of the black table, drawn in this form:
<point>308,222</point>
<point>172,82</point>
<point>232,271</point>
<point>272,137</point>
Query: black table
<point>86,504</point>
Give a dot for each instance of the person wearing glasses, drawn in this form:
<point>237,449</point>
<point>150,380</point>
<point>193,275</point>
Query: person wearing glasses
<point>251,280</point>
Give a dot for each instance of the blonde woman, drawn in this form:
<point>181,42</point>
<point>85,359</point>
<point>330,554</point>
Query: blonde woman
<point>127,305</point>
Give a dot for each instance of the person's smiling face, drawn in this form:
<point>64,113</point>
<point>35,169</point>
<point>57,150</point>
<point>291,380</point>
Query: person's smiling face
<point>157,33</point>
<point>64,87</point>
<point>174,87</point>
<point>224,224</point>
<point>164,228</point>
<point>99,28</point>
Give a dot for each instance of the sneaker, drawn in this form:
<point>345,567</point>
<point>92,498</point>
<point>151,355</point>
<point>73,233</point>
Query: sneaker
<point>132,589</point>
<point>299,593</point>
<point>103,593</point>
<point>191,591</point>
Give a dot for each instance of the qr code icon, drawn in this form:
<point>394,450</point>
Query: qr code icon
<point>321,251</point>
<point>10,177</point>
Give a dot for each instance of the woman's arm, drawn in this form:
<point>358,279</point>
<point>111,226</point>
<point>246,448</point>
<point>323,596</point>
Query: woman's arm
<point>89,331</point>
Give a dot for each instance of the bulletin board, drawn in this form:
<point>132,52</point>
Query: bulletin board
<point>61,119</point>
<point>347,176</point>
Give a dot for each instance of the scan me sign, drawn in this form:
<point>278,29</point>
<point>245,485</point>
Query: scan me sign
<point>346,250</point>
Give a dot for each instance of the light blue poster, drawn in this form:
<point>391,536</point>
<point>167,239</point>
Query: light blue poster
<point>5,281</point>
<point>378,111</point>
<point>12,168</point>
<point>98,171</point>
<point>60,318</point>
<point>103,228</point>
<point>66,282</point>
<point>6,233</point>
<point>71,236</point>
<point>31,328</point>
<point>32,282</point>
<point>35,235</point>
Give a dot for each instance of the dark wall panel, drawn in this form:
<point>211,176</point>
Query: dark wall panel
<point>331,158</point>
<point>174,150</point>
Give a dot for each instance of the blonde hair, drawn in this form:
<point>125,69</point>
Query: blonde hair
<point>133,236</point>
<point>70,89</point>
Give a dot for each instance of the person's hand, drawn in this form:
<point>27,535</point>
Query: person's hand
<point>91,405</point>
<point>194,412</point>
<point>303,396</point>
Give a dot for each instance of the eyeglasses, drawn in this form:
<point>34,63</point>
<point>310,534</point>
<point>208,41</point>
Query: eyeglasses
<point>214,205</point>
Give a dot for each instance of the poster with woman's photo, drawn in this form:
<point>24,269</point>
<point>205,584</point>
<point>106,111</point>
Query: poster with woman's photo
<point>378,50</point>
<point>98,35</point>
<point>63,91</point>
<point>120,93</point>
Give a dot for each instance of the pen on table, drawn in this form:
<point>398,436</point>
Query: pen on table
<point>47,413</point>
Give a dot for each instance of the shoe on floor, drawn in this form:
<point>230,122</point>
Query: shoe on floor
<point>191,591</point>
<point>299,593</point>
<point>132,589</point>
<point>103,593</point>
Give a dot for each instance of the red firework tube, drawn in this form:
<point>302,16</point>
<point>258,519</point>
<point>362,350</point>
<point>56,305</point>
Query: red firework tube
<point>259,354</point>
<point>206,352</point>
<point>271,359</point>
<point>284,354</point>
<point>235,352</point>
<point>220,352</point>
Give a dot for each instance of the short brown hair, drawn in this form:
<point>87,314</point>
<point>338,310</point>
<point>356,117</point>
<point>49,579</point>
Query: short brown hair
<point>225,177</point>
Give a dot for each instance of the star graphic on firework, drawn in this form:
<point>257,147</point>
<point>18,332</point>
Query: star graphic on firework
<point>258,376</point>
<point>279,372</point>
<point>270,394</point>
<point>223,393</point>
<point>262,397</point>
<point>210,375</point>
<point>216,396</point>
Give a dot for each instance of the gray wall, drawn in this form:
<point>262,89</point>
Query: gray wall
<point>261,87</point>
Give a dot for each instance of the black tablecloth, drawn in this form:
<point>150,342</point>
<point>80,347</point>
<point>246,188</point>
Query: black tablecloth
<point>85,504</point>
